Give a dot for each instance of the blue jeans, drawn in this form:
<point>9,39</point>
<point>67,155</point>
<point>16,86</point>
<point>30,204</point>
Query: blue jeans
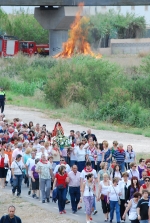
<point>94,203</point>
<point>122,166</point>
<point>144,221</point>
<point>114,205</point>
<point>98,166</point>
<point>73,162</point>
<point>75,197</point>
<point>17,181</point>
<point>81,165</point>
<point>61,198</point>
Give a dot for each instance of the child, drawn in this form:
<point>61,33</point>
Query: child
<point>142,207</point>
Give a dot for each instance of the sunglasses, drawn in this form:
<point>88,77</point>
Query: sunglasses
<point>147,180</point>
<point>148,166</point>
<point>134,166</point>
<point>62,160</point>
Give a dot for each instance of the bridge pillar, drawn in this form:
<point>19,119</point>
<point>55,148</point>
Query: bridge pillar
<point>57,21</point>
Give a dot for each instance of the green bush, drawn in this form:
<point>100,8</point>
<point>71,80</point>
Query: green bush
<point>23,88</point>
<point>5,82</point>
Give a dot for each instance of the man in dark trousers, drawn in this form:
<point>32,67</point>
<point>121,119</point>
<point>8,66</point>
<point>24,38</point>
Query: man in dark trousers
<point>2,99</point>
<point>11,217</point>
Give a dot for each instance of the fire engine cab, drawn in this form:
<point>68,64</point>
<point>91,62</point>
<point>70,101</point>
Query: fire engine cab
<point>31,48</point>
<point>9,46</point>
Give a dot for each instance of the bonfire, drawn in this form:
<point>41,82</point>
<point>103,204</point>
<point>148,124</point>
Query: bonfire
<point>77,42</point>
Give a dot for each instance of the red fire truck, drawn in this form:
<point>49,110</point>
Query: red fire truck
<point>9,46</point>
<point>31,48</point>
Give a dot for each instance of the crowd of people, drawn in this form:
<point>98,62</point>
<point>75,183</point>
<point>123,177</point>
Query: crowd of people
<point>87,170</point>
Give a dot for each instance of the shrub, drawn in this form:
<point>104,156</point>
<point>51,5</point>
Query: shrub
<point>5,82</point>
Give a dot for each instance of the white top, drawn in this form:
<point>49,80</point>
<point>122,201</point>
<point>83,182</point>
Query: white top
<point>88,190</point>
<point>39,154</point>
<point>80,153</point>
<point>37,146</point>
<point>114,192</point>
<point>122,185</point>
<point>30,163</point>
<point>133,207</point>
<point>15,165</point>
<point>105,188</point>
<point>68,169</point>
<point>134,173</point>
<point>73,153</point>
<point>117,174</point>
<point>84,173</point>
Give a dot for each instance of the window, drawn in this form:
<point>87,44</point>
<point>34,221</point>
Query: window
<point>31,45</point>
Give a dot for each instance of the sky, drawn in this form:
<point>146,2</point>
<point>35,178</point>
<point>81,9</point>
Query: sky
<point>9,9</point>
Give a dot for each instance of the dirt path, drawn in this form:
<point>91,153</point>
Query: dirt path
<point>139,143</point>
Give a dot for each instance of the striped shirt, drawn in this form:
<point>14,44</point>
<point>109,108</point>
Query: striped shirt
<point>119,156</point>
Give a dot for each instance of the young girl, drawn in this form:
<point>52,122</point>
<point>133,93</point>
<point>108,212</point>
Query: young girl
<point>116,173</point>
<point>87,192</point>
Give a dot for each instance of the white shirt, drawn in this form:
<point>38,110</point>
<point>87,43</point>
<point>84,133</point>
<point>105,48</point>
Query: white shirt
<point>88,190</point>
<point>122,187</point>
<point>37,146</point>
<point>134,173</point>
<point>68,169</point>
<point>30,163</point>
<point>105,188</point>
<point>80,153</point>
<point>15,165</point>
<point>73,153</point>
<point>117,174</point>
<point>84,173</point>
<point>114,193</point>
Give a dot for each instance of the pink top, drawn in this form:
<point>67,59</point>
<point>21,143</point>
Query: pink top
<point>74,179</point>
<point>16,152</point>
<point>64,152</point>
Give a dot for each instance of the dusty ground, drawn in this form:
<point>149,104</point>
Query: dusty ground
<point>139,142</point>
<point>29,212</point>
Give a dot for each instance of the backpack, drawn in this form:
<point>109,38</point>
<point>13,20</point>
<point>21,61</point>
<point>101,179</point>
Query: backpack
<point>6,216</point>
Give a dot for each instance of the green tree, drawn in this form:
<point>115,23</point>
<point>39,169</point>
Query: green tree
<point>25,27</point>
<point>5,25</point>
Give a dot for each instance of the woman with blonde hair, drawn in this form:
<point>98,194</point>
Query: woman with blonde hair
<point>102,195</point>
<point>48,148</point>
<point>107,153</point>
<point>103,170</point>
<point>56,153</point>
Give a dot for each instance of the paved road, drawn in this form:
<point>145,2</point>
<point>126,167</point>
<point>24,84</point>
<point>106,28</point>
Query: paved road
<point>79,216</point>
<point>139,142</point>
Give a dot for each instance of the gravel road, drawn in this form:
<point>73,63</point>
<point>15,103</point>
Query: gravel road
<point>139,142</point>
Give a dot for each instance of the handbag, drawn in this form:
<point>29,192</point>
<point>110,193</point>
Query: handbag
<point>102,197</point>
<point>119,201</point>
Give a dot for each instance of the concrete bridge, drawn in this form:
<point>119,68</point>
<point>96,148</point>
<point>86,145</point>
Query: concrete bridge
<point>73,2</point>
<point>58,20</point>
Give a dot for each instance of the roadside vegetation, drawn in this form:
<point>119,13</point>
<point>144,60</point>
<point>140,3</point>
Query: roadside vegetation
<point>83,89</point>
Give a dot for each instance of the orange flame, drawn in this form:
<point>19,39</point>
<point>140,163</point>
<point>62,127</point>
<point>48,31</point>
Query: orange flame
<point>77,42</point>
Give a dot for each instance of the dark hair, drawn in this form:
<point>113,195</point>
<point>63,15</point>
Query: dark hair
<point>29,124</point>
<point>101,146</point>
<point>72,131</point>
<point>81,143</point>
<point>113,175</point>
<point>137,194</point>
<point>88,163</point>
<point>137,184</point>
<point>89,175</point>
<point>37,160</point>
<point>18,156</point>
<point>140,160</point>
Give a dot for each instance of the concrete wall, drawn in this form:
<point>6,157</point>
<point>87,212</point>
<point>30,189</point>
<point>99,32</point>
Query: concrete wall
<point>129,46</point>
